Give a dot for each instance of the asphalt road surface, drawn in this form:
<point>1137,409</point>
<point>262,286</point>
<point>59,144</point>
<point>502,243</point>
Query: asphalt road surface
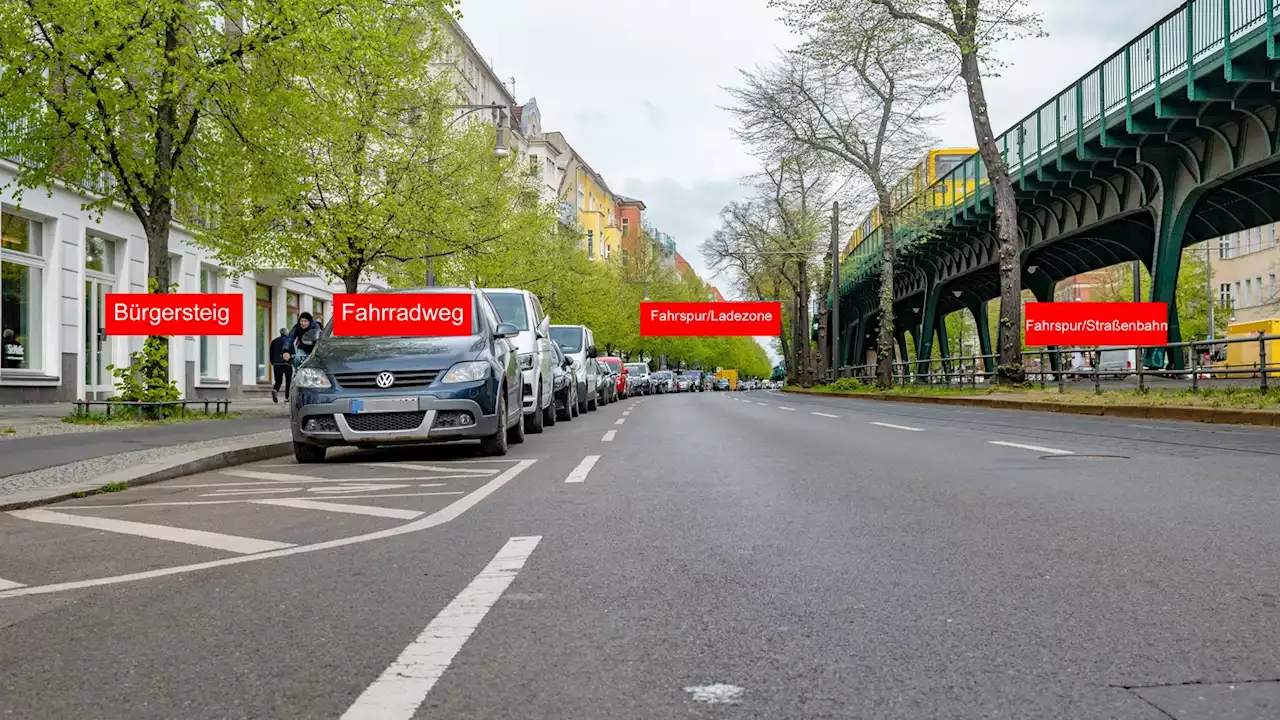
<point>711,555</point>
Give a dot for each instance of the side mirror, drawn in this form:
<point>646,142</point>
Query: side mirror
<point>592,352</point>
<point>507,330</point>
<point>568,362</point>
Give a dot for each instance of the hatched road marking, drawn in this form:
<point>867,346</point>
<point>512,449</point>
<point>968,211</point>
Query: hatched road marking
<point>9,584</point>
<point>373,510</point>
<point>217,541</point>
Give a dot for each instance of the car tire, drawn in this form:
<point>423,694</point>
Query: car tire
<point>593,404</point>
<point>533,422</point>
<point>515,434</point>
<point>549,415</point>
<point>307,454</point>
<point>496,444</point>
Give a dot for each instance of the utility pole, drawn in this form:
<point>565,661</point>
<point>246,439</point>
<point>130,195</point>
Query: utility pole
<point>1208,285</point>
<point>833,320</point>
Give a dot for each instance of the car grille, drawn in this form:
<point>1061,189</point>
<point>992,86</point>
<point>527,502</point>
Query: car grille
<point>321,423</point>
<point>453,419</point>
<point>368,380</point>
<point>385,422</point>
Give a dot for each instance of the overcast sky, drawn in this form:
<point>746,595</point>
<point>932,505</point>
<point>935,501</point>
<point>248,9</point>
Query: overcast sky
<point>636,85</point>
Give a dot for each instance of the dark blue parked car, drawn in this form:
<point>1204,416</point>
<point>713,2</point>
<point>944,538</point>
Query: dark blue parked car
<point>372,391</point>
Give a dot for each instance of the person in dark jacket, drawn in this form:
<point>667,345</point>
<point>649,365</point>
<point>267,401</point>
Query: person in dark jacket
<point>298,345</point>
<point>281,364</point>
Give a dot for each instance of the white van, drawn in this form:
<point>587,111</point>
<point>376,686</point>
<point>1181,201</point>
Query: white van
<point>522,309</point>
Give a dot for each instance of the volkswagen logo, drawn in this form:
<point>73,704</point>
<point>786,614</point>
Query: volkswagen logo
<point>385,380</point>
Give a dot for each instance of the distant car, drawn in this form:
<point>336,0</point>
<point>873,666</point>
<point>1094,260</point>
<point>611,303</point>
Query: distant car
<point>721,384</point>
<point>618,371</point>
<point>693,379</point>
<point>608,386</point>
<point>579,344</point>
<point>371,391</point>
<point>663,381</point>
<point>637,378</point>
<point>566,390</point>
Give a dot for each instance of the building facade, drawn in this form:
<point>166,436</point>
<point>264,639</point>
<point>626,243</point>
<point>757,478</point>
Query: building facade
<point>1244,267</point>
<point>58,263</point>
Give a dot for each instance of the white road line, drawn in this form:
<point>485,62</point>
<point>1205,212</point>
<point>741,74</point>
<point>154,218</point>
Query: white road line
<point>251,491</point>
<point>786,408</point>
<point>608,437</point>
<point>619,421</point>
<point>435,468</point>
<point>437,518</point>
<point>763,404</point>
<point>241,501</point>
<point>315,481</point>
<point>626,413</point>
<point>259,475</point>
<point>898,427</point>
<point>9,584</point>
<point>217,541</point>
<point>1037,448</point>
<point>824,415</point>
<point>341,508</point>
<point>403,686</point>
<point>579,473</point>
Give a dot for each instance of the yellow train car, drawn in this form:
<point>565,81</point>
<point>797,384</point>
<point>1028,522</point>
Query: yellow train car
<point>927,182</point>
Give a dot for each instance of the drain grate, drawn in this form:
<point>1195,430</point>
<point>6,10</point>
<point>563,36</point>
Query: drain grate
<point>1084,457</point>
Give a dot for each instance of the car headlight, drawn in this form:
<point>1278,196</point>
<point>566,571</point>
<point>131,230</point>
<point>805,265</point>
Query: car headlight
<point>467,372</point>
<point>311,379</point>
<point>526,361</point>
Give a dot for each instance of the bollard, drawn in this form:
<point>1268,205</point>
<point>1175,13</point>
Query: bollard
<point>1262,361</point>
<point>1142,378</point>
<point>1062,376</point>
<point>1195,371</point>
<point>1097,379</point>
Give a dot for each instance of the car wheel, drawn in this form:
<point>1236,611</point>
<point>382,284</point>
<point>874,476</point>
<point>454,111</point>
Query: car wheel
<point>583,406</point>
<point>533,422</point>
<point>496,444</point>
<point>307,454</point>
<point>549,416</point>
<point>515,434</point>
<point>593,403</point>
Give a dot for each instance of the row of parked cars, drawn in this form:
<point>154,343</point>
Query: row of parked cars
<point>514,374</point>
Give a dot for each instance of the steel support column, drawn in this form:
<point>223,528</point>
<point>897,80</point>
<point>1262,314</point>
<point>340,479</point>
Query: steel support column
<point>924,348</point>
<point>1178,196</point>
<point>1044,291</point>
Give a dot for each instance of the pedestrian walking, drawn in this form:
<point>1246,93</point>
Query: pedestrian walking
<point>299,344</point>
<point>281,364</point>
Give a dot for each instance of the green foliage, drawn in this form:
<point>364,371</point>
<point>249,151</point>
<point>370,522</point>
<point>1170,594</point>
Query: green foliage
<point>843,385</point>
<point>1190,298</point>
<point>146,378</point>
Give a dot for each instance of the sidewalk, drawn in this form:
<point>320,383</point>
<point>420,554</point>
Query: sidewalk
<point>26,421</point>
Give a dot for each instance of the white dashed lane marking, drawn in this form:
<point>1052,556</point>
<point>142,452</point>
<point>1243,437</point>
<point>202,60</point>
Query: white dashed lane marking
<point>403,686</point>
<point>826,415</point>
<point>786,408</point>
<point>608,437</point>
<point>579,473</point>
<point>898,427</point>
<point>619,421</point>
<point>1037,448</point>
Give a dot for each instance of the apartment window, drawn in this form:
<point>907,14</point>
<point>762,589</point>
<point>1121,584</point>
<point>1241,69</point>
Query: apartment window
<point>22,268</point>
<point>1248,293</point>
<point>208,345</point>
<point>1239,300</point>
<point>291,301</point>
<point>591,244</point>
<point>1271,235</point>
<point>626,226</point>
<point>317,310</point>
<point>1257,283</point>
<point>1224,295</point>
<point>582,197</point>
<point>1224,247</point>
<point>1271,287</point>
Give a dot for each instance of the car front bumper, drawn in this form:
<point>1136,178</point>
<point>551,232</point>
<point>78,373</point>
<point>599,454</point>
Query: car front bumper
<point>328,420</point>
<point>529,394</point>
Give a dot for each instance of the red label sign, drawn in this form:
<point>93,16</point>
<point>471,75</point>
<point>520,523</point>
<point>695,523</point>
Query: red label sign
<point>710,319</point>
<point>401,314</point>
<point>173,314</point>
<point>1086,323</point>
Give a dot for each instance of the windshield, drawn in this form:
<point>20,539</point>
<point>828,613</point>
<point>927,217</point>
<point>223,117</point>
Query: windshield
<point>693,374</point>
<point>327,332</point>
<point>637,368</point>
<point>569,338</point>
<point>614,363</point>
<point>510,307</point>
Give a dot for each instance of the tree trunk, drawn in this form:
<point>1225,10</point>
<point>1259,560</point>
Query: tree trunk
<point>351,280</point>
<point>884,341</point>
<point>806,345</point>
<point>825,361</point>
<point>1009,369</point>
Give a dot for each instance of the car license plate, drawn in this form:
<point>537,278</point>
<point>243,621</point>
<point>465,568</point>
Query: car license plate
<point>360,406</point>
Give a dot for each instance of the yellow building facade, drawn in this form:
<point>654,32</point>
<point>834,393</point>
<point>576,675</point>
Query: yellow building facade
<point>598,215</point>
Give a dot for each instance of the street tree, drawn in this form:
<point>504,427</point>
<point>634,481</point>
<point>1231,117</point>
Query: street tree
<point>384,177</point>
<point>859,95</point>
<point>138,102</point>
<point>967,30</point>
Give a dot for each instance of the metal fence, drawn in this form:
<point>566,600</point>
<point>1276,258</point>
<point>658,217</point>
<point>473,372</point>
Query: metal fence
<point>1145,368</point>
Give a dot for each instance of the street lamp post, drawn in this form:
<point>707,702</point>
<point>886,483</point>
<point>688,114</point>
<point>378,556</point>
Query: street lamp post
<point>500,150</point>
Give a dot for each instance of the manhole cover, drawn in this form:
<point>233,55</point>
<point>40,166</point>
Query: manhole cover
<point>1084,457</point>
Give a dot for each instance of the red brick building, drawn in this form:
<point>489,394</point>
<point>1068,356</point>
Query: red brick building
<point>630,220</point>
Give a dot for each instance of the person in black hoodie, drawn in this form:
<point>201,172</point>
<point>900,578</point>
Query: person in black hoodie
<point>298,345</point>
<point>281,364</point>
